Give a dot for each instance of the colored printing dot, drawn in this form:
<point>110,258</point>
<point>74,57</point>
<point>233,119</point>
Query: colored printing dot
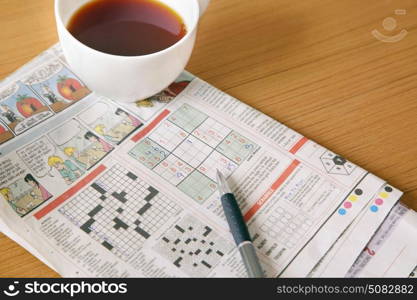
<point>374,208</point>
<point>388,189</point>
<point>353,198</point>
<point>342,211</point>
<point>379,201</point>
<point>383,195</point>
<point>358,192</point>
<point>347,204</point>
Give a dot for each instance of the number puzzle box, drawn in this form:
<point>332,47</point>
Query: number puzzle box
<point>97,188</point>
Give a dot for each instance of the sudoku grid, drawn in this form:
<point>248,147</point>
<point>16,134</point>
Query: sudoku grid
<point>188,147</point>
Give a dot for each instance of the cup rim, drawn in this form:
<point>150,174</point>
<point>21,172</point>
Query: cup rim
<point>181,41</point>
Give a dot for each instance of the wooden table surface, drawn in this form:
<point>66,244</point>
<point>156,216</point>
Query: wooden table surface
<point>313,65</point>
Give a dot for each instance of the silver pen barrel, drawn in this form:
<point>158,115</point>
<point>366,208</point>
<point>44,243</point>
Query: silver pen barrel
<point>250,259</point>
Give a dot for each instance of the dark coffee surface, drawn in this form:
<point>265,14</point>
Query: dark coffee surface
<point>127,27</point>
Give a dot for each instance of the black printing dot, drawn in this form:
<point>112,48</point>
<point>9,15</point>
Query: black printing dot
<point>358,192</point>
<point>388,189</point>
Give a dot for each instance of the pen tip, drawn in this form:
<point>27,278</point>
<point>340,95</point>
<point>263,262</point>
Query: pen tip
<point>220,177</point>
<point>222,183</point>
<point>219,174</point>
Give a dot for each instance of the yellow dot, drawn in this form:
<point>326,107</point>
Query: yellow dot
<point>353,198</point>
<point>383,195</point>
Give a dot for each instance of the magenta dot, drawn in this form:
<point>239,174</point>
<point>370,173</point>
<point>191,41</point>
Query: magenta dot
<point>379,201</point>
<point>347,205</point>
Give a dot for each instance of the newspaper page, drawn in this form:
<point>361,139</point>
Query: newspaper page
<point>392,250</point>
<point>97,188</point>
<point>354,254</point>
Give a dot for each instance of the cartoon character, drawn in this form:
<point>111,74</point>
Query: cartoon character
<point>49,94</point>
<point>68,170</point>
<point>81,159</point>
<point>39,192</point>
<point>97,149</point>
<point>110,135</point>
<point>28,199</point>
<point>98,144</point>
<point>8,196</point>
<point>9,114</point>
<point>128,119</point>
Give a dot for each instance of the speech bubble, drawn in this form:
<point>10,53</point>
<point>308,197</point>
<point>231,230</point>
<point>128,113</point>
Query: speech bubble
<point>36,154</point>
<point>43,73</point>
<point>66,132</point>
<point>93,113</point>
<point>9,171</point>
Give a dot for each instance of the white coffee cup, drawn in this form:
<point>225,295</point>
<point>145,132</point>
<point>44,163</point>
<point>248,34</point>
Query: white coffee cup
<point>129,78</point>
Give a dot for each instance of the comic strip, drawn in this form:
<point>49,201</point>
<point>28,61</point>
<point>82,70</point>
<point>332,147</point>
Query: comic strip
<point>43,159</point>
<point>58,86</point>
<point>146,108</point>
<point>5,133</point>
<point>21,189</point>
<point>112,123</point>
<point>82,149</point>
<point>21,108</point>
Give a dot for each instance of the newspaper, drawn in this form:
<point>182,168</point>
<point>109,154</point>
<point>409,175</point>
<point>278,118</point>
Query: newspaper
<point>97,188</point>
<point>392,250</point>
<point>363,251</point>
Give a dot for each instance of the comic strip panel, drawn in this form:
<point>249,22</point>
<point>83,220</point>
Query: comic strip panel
<point>109,121</point>
<point>79,145</point>
<point>58,86</point>
<point>5,133</point>
<point>44,159</point>
<point>21,108</point>
<point>146,108</point>
<point>20,188</point>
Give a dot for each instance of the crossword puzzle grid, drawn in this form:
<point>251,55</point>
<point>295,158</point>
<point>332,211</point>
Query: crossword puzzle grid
<point>284,227</point>
<point>188,148</point>
<point>120,211</point>
<point>193,247</point>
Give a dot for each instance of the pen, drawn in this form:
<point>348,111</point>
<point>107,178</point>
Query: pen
<point>239,229</point>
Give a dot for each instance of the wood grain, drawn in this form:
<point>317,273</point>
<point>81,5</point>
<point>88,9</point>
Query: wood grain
<point>313,65</point>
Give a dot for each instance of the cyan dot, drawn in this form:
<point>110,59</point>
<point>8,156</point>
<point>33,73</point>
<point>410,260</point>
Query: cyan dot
<point>342,211</point>
<point>374,208</point>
